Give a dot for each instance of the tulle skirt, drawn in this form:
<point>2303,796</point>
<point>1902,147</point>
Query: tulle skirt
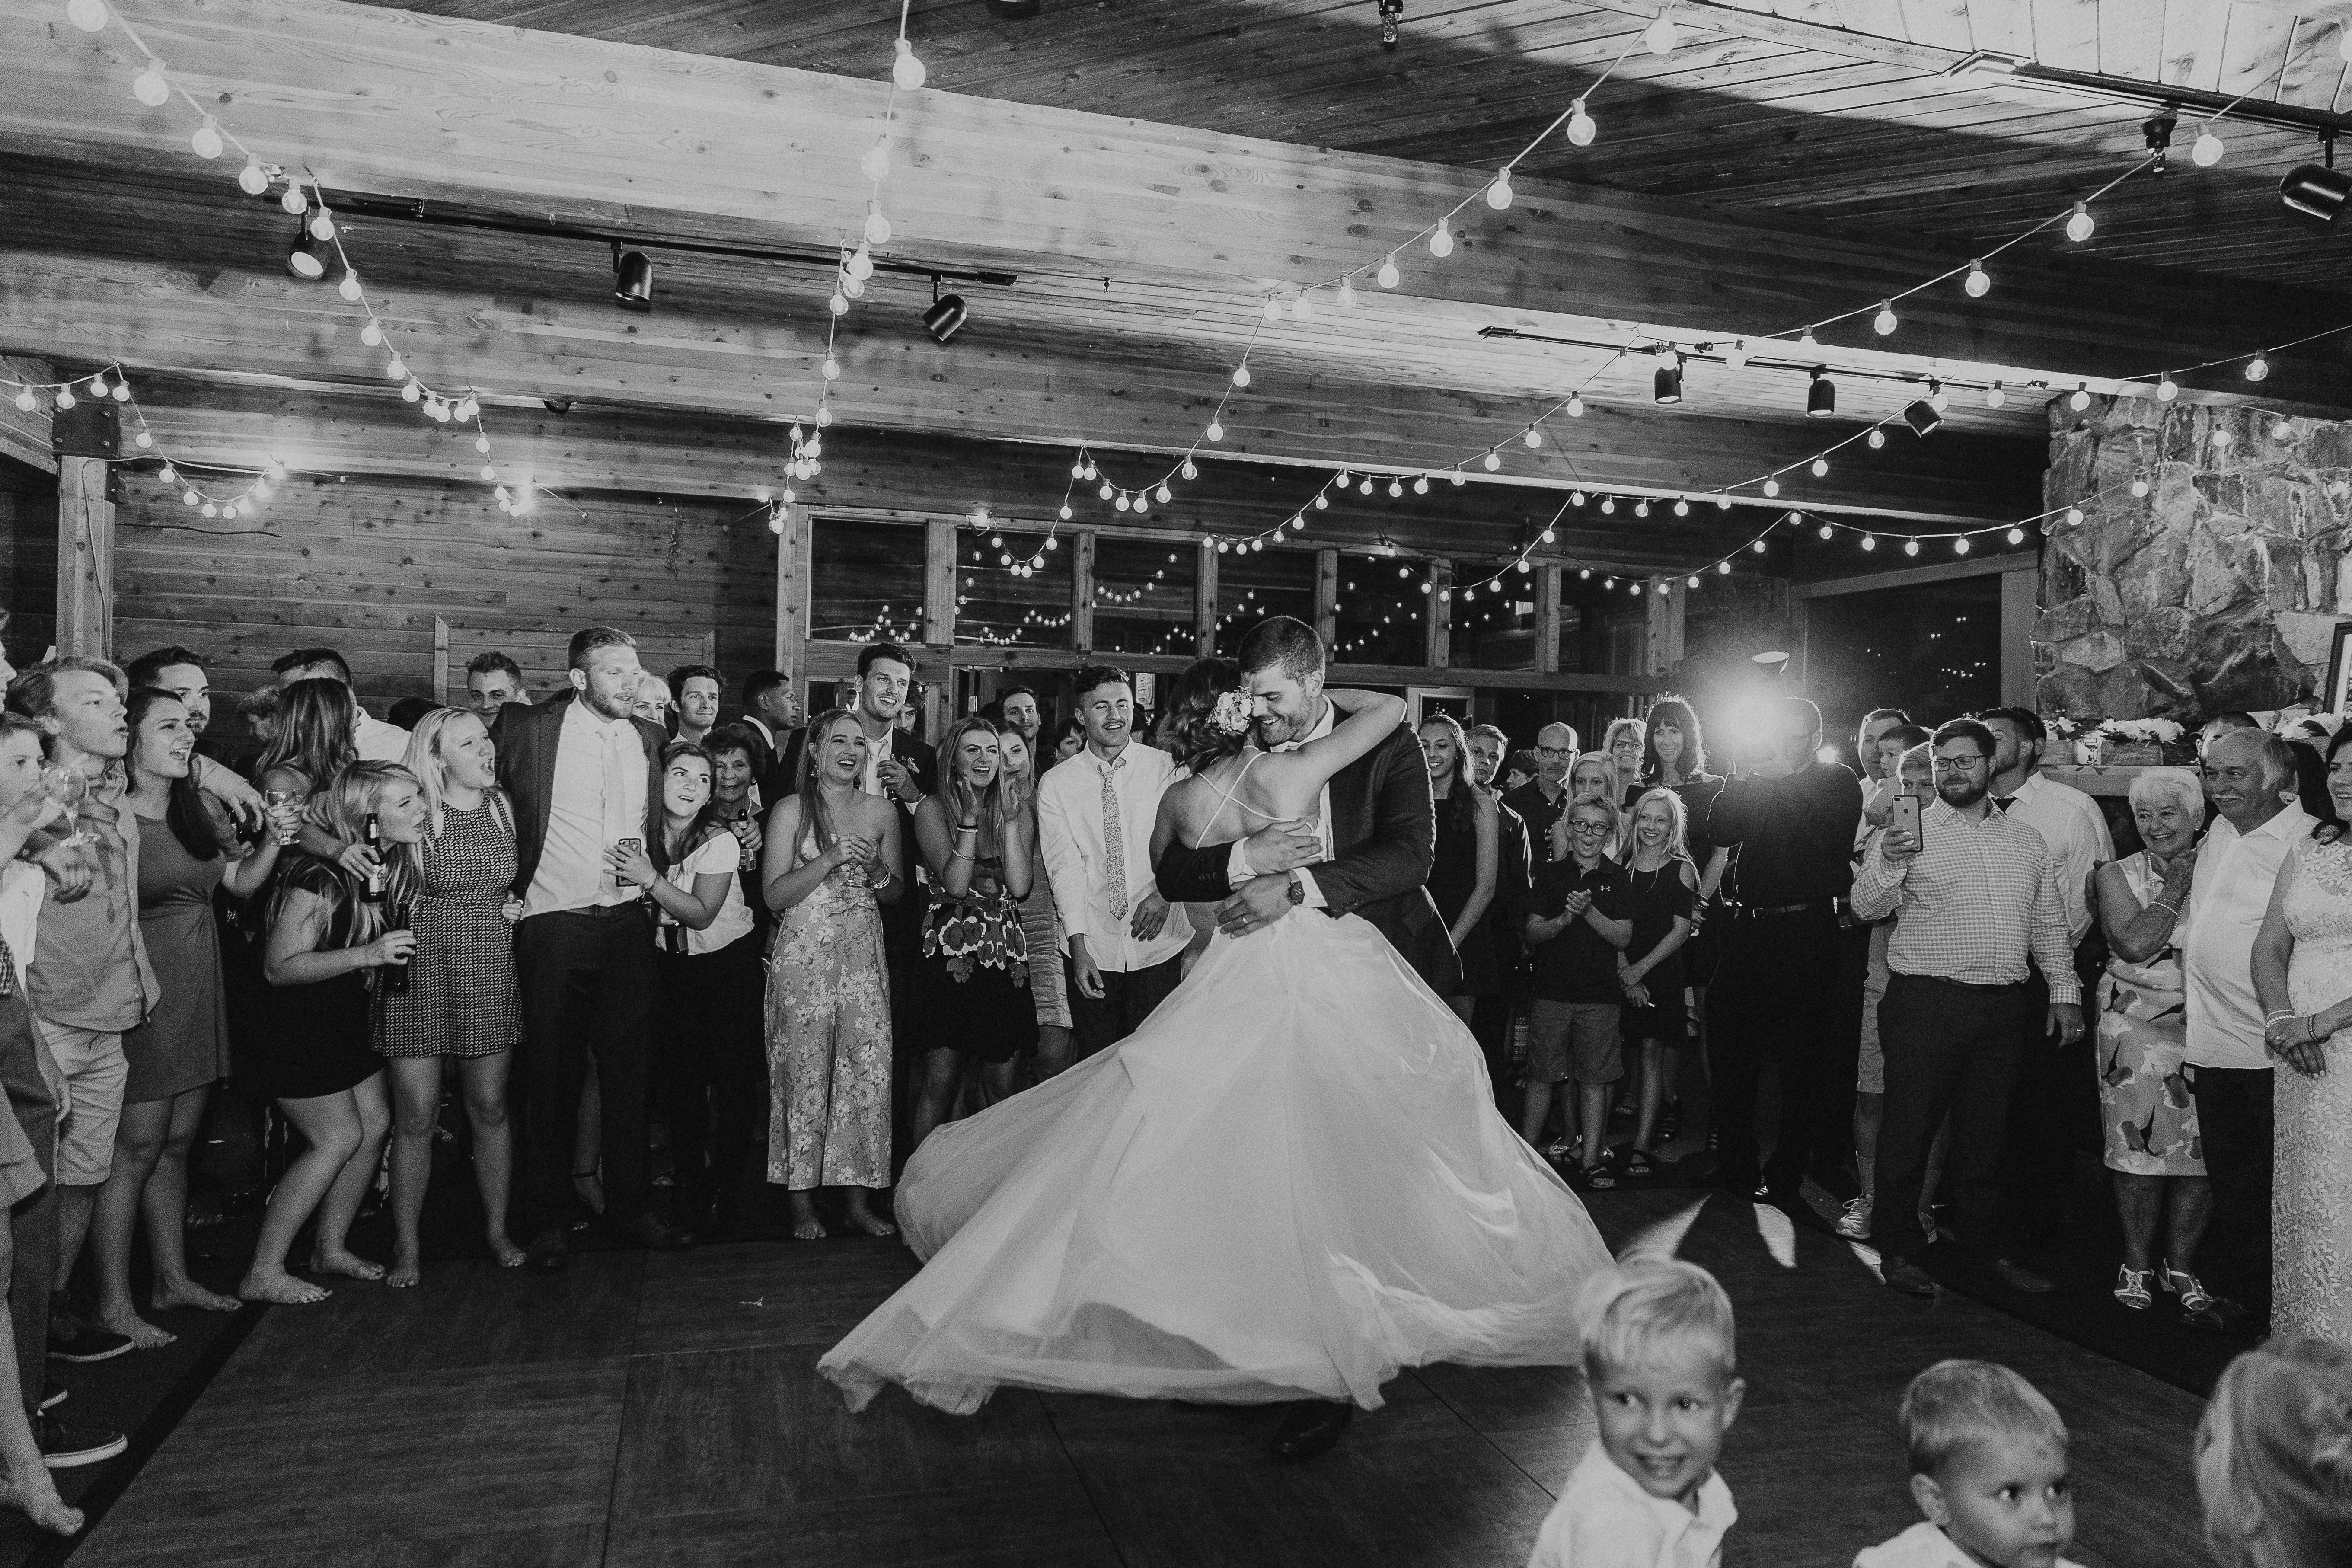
<point>1289,1184</point>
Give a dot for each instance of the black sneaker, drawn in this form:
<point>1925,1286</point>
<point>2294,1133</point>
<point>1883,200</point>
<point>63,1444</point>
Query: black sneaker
<point>63,1446</point>
<point>70,1339</point>
<point>53,1394</point>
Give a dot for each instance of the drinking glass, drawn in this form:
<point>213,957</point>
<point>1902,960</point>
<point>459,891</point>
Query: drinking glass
<point>69,786</point>
<point>275,798</point>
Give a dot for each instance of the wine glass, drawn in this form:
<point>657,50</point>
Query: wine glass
<point>69,786</point>
<point>278,798</point>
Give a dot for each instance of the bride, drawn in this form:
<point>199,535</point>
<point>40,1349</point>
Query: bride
<point>1290,1182</point>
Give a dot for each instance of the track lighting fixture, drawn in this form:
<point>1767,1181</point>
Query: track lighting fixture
<point>633,278</point>
<point>2156,131</point>
<point>1821,398</point>
<point>1921,415</point>
<point>947,315</point>
<point>2316,190</point>
<point>1666,386</point>
<point>308,257</point>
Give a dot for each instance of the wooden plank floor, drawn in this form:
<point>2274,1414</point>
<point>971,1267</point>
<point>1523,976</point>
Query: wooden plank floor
<point>664,1409</point>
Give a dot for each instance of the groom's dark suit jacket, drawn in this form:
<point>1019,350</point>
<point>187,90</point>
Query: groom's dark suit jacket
<point>1384,828</point>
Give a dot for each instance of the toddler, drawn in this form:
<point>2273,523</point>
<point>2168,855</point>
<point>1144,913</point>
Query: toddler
<point>1987,1468</point>
<point>1658,1356</point>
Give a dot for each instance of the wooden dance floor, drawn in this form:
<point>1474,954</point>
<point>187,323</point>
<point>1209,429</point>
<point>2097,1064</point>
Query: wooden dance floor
<point>665,1409</point>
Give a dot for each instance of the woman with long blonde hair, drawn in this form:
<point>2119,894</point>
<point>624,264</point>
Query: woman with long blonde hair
<point>1464,857</point>
<point>1665,899</point>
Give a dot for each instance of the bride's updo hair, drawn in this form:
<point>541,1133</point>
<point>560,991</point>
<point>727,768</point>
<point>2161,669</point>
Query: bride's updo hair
<point>1195,741</point>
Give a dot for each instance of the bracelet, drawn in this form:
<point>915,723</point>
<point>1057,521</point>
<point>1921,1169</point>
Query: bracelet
<point>2275,1018</point>
<point>2172,910</point>
<point>967,827</point>
<point>958,855</point>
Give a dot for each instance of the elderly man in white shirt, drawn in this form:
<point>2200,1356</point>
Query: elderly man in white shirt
<point>1094,815</point>
<point>2249,780</point>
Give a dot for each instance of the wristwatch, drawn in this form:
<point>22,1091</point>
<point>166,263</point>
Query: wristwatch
<point>1298,889</point>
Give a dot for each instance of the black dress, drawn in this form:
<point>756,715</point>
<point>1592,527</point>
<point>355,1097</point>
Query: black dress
<point>1659,898</point>
<point>1452,878</point>
<point>311,1040</point>
<point>976,958</point>
<point>1700,953</point>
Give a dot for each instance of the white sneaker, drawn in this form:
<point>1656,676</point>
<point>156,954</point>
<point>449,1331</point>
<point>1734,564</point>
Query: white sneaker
<point>1854,1224</point>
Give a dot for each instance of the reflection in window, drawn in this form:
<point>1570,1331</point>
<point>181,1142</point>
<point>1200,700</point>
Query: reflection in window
<point>1013,586</point>
<point>866,580</point>
<point>1143,596</point>
<point>1380,610</point>
<point>1255,583</point>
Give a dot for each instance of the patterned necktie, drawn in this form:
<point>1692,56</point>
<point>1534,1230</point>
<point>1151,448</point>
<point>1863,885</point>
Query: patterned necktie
<point>7,969</point>
<point>1115,842</point>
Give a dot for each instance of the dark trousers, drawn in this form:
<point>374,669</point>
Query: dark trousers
<point>1952,1049</point>
<point>33,1222</point>
<point>2235,1119</point>
<point>1774,1000</point>
<point>2037,1152</point>
<point>711,1064</point>
<point>1128,996</point>
<point>587,990</point>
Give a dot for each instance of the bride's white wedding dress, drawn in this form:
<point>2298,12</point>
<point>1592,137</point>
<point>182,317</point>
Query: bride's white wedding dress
<point>1290,1182</point>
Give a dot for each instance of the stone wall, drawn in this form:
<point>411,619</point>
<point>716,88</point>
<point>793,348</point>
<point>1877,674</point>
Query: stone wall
<point>2216,589</point>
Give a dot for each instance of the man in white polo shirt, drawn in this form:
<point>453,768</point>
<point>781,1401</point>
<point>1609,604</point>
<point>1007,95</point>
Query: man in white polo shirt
<point>2249,780</point>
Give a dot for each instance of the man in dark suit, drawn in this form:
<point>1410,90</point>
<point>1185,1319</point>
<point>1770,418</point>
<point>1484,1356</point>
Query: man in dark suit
<point>586,779</point>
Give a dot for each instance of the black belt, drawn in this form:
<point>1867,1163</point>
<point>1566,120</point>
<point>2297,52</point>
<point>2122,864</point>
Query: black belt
<point>1835,906</point>
<point>1985,986</point>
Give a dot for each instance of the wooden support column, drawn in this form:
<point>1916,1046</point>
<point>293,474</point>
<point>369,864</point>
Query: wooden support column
<point>1326,596</point>
<point>1547,618</point>
<point>1662,625</point>
<point>1204,602</point>
<point>25,436</point>
<point>940,582</point>
<point>85,557</point>
<point>792,595</point>
<point>1438,616</point>
<point>1081,590</point>
<point>2018,685</point>
<point>1800,636</point>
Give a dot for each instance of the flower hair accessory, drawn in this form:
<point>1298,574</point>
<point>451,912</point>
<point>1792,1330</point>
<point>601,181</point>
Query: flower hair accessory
<point>1231,716</point>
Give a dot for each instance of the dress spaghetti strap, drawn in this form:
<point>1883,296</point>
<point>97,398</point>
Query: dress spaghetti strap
<point>1226,797</point>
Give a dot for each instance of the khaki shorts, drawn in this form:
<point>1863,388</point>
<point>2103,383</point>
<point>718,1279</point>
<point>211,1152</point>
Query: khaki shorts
<point>96,1072</point>
<point>1578,1040</point>
<point>1870,1069</point>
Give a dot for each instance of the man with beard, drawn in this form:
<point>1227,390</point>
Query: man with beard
<point>1978,893</point>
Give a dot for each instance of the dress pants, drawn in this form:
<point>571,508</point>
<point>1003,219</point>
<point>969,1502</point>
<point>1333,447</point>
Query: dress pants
<point>1128,996</point>
<point>33,1222</point>
<point>1952,1049</point>
<point>710,1060</point>
<point>587,979</point>
<point>2235,1117</point>
<point>1774,999</point>
<point>2037,1156</point>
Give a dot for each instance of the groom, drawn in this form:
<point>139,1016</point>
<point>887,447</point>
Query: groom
<point>1367,853</point>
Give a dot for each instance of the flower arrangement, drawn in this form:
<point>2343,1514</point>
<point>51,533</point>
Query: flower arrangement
<point>1231,716</point>
<point>2143,732</point>
<point>2061,727</point>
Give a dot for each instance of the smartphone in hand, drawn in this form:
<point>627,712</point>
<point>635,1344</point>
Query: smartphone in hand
<point>1904,816</point>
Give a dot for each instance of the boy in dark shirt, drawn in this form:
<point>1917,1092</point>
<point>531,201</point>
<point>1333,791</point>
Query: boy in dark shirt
<point>1577,930</point>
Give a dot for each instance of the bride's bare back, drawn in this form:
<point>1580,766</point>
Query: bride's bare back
<point>1239,795</point>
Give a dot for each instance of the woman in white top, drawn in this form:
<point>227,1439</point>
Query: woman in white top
<point>707,1021</point>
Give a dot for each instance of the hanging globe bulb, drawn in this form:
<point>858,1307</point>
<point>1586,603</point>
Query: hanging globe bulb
<point>1995,395</point>
<point>876,164</point>
<point>143,440</point>
<point>2207,150</point>
<point>1884,323</point>
<point>1421,486</point>
<point>489,472</point>
<point>1661,36</point>
<point>372,334</point>
<point>253,179</point>
<point>1910,547</point>
<point>349,286</point>
<point>1771,487</point>
<point>1534,438</point>
<point>2257,368</point>
<point>411,392</point>
<point>1441,242</point>
<point>2080,398</point>
<point>1493,461</point>
<point>2017,536</point>
<point>394,370</point>
<point>1734,357</point>
<point>1821,466</point>
<point>1869,542</point>
<point>1241,376</point>
<point>1498,195</point>
<point>1979,282</point>
<point>1347,293</point>
<point>2167,389</point>
<point>1387,276</point>
<point>150,87</point>
<point>210,509</point>
<point>323,225</point>
<point>206,140</point>
<point>877,227</point>
<point>1938,398</point>
<point>906,71</point>
<point>1827,530</point>
<point>2139,484</point>
<point>1302,307</point>
<point>1065,516</point>
<point>823,418</point>
<point>90,15</point>
<point>66,398</point>
<point>1188,470</point>
<point>2079,226</point>
<point>293,200</point>
<point>1580,128</point>
<point>1877,437</point>
<point>1215,432</point>
<point>25,399</point>
<point>830,369</point>
<point>838,304</point>
<point>2073,517</point>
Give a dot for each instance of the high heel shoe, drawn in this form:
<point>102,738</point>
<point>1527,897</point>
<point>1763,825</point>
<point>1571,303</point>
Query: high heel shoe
<point>2194,1297</point>
<point>2131,1288</point>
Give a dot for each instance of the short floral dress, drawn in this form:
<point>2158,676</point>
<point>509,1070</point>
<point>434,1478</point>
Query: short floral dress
<point>2146,1113</point>
<point>462,999</point>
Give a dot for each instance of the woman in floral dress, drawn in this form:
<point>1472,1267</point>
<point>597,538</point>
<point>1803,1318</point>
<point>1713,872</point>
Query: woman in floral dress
<point>828,853</point>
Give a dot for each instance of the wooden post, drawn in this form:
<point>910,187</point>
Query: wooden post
<point>2018,684</point>
<point>1662,613</point>
<point>1547,618</point>
<point>1326,596</point>
<point>441,662</point>
<point>1438,616</point>
<point>1204,602</point>
<point>85,557</point>
<point>1081,590</point>
<point>1800,636</point>
<point>791,595</point>
<point>940,582</point>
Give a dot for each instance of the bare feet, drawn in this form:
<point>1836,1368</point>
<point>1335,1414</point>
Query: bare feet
<point>509,1255</point>
<point>348,1264</point>
<point>406,1270</point>
<point>142,1334</point>
<point>809,1229</point>
<point>171,1294</point>
<point>281,1287</point>
<point>870,1222</point>
<point>36,1497</point>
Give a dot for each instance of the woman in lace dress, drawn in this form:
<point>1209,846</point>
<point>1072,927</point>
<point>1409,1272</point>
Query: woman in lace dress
<point>828,858</point>
<point>2303,975</point>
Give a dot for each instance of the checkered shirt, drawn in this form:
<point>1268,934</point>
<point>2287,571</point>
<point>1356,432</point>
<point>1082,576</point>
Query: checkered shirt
<point>1972,903</point>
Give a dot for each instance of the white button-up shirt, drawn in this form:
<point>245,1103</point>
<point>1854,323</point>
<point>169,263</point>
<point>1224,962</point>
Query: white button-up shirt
<point>377,741</point>
<point>1070,840</point>
<point>580,823</point>
<point>1604,1520</point>
<point>2229,897</point>
<point>2070,822</point>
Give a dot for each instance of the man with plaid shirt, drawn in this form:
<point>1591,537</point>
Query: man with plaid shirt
<point>1972,901</point>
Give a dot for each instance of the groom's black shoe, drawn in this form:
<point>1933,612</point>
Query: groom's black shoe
<point>1310,1428</point>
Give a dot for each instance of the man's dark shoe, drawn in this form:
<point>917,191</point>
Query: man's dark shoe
<point>2022,1280</point>
<point>549,1252</point>
<point>1310,1428</point>
<point>1907,1276</point>
<point>63,1446</point>
<point>70,1339</point>
<point>653,1232</point>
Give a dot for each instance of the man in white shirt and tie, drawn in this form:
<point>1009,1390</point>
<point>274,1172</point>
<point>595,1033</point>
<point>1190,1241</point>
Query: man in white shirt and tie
<point>1095,815</point>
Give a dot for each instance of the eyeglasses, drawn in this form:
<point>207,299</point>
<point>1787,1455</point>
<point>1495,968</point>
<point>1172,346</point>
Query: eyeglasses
<point>1555,752</point>
<point>1958,764</point>
<point>1588,827</point>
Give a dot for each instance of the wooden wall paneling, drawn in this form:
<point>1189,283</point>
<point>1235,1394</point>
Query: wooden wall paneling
<point>1081,590</point>
<point>2018,684</point>
<point>1662,611</point>
<point>1326,596</point>
<point>939,583</point>
<point>86,567</point>
<point>1800,641</point>
<point>25,436</point>
<point>792,592</point>
<point>1547,618</point>
<point>1437,614</point>
<point>1205,600</point>
<point>441,681</point>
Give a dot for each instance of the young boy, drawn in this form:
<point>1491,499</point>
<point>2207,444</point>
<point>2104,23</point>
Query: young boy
<point>1987,1468</point>
<point>1659,1359</point>
<point>1578,927</point>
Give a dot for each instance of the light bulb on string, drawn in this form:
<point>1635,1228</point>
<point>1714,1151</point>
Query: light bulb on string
<point>1805,340</point>
<point>2207,150</point>
<point>853,286</point>
<point>1107,492</point>
<point>1979,282</point>
<point>1347,293</point>
<point>2167,389</point>
<point>860,265</point>
<point>1884,323</point>
<point>906,71</point>
<point>1723,503</point>
<point>349,286</point>
<point>1641,508</point>
<point>1441,239</point>
<point>1498,195</point>
<point>1910,547</point>
<point>1188,470</point>
<point>1757,545</point>
<point>1215,432</point>
<point>1164,495</point>
<point>2080,398</point>
<point>26,400</point>
<point>168,474</point>
<point>2258,368</point>
<point>1877,437</point>
<point>411,392</point>
<point>2073,517</point>
<point>1580,128</point>
<point>1459,478</point>
<point>1609,505</point>
<point>150,87</point>
<point>323,225</point>
<point>1870,541</point>
<point>1661,36</point>
<point>1421,486</point>
<point>1827,532</point>
<point>877,227</point>
<point>2139,485</point>
<point>1533,438</point>
<point>1302,307</point>
<point>1387,276</point>
<point>1821,466</point>
<point>1396,488</point>
<point>2282,431</point>
<point>1366,487</point>
<point>90,15</point>
<point>1938,398</point>
<point>830,369</point>
<point>1736,356</point>
<point>293,201</point>
<point>1681,509</point>
<point>1960,545</point>
<point>143,440</point>
<point>1996,394</point>
<point>2017,536</point>
<point>2080,225</point>
<point>206,142</point>
<point>876,164</point>
<point>1575,406</point>
<point>1492,461</point>
<point>1771,487</point>
<point>66,398</point>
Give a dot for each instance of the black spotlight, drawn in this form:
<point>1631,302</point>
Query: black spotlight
<point>947,315</point>
<point>308,258</point>
<point>1821,398</point>
<point>2156,131</point>
<point>1666,386</point>
<point>2317,191</point>
<point>633,279</point>
<point>1921,415</point>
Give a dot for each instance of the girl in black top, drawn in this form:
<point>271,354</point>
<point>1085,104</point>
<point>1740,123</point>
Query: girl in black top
<point>1663,892</point>
<point>1674,756</point>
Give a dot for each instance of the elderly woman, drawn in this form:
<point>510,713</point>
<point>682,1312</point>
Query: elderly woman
<point>2150,1120</point>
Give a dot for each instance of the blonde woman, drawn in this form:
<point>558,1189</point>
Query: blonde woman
<point>1623,745</point>
<point>2275,1457</point>
<point>462,999</point>
<point>1462,876</point>
<point>1663,885</point>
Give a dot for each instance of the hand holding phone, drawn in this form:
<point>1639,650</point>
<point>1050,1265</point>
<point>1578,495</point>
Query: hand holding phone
<point>1903,838</point>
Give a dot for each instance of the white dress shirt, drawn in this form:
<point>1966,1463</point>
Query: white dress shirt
<point>1604,1520</point>
<point>21,891</point>
<point>377,741</point>
<point>1237,866</point>
<point>1070,840</point>
<point>2230,893</point>
<point>2070,822</point>
<point>583,818</point>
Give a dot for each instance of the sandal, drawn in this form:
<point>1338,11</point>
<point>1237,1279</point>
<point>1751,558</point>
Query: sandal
<point>1596,1178</point>
<point>1670,1120</point>
<point>2131,1288</point>
<point>2194,1297</point>
<point>1637,1164</point>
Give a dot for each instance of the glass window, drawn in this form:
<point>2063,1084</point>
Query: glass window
<point>1382,609</point>
<point>1602,627</point>
<point>1254,583</point>
<point>1494,630</point>
<point>1143,596</point>
<point>866,580</point>
<point>1027,602</point>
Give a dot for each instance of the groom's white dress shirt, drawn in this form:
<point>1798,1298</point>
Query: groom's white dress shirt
<point>1238,868</point>
<point>599,799</point>
<point>1072,839</point>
